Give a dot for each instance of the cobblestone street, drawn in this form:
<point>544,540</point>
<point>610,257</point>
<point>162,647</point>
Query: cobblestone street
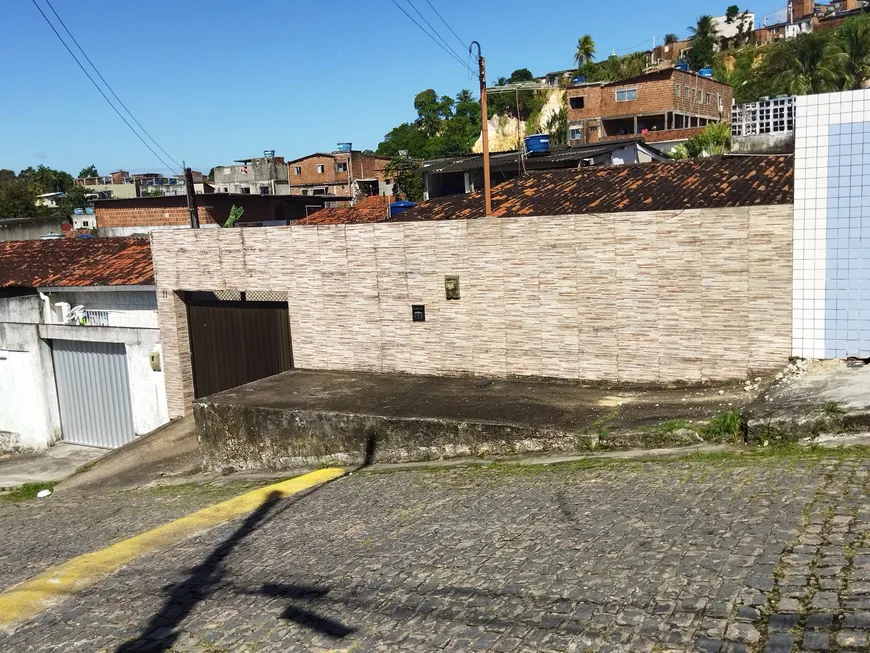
<point>769,554</point>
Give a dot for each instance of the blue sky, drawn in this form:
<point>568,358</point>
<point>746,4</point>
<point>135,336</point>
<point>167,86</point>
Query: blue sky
<point>221,80</point>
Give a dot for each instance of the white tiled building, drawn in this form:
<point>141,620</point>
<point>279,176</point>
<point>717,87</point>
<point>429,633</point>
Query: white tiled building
<point>831,315</point>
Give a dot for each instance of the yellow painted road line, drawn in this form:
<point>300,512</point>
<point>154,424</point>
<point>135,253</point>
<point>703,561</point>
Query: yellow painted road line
<point>31,597</point>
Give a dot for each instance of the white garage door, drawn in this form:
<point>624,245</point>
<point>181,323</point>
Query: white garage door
<point>93,390</point>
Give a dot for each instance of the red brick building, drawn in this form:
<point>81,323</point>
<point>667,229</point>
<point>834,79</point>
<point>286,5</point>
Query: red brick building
<point>339,173</point>
<point>658,101</point>
<point>124,217</point>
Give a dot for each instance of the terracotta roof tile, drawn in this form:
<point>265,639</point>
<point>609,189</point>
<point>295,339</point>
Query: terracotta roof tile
<point>76,262</point>
<point>371,209</point>
<point>691,184</point>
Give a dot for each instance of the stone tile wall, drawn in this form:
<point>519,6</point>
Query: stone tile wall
<point>631,297</point>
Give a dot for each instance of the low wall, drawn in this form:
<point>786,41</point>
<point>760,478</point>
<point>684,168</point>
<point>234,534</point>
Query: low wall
<point>650,297</point>
<point>255,438</point>
<point>778,143</point>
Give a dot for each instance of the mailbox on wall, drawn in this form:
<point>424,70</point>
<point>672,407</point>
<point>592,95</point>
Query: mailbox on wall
<point>451,286</point>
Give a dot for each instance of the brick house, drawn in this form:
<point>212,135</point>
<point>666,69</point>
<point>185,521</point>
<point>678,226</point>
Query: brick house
<point>669,53</point>
<point>658,101</point>
<point>339,173</point>
<point>807,16</point>
<point>145,214</point>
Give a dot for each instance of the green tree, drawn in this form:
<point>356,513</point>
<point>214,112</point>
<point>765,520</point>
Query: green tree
<point>851,49</point>
<point>90,171</point>
<point>814,69</point>
<point>732,13</point>
<point>670,39</point>
<point>431,110</point>
<point>465,95</point>
<point>713,140</point>
<point>407,137</point>
<point>703,28</point>
<point>74,198</point>
<point>17,199</point>
<point>502,104</point>
<point>557,127</point>
<point>48,180</point>
<point>585,52</point>
<point>703,40</point>
<point>406,177</point>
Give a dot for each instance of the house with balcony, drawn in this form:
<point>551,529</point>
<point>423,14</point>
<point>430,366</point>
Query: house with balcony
<point>265,175</point>
<point>668,100</point>
<point>80,352</point>
<point>349,173</point>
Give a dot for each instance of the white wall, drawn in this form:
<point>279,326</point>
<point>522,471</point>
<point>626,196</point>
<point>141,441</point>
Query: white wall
<point>29,417</point>
<point>125,308</point>
<point>123,232</point>
<point>26,309</point>
<point>29,410</point>
<point>147,389</point>
<point>624,155</point>
<point>728,30</point>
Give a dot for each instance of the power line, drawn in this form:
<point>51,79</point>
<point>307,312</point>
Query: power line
<point>462,43</point>
<point>115,95</point>
<point>634,47</point>
<point>97,86</point>
<point>436,41</point>
<point>434,31</point>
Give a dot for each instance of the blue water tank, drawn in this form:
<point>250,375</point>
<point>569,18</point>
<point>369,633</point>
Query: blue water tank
<point>400,207</point>
<point>344,147</point>
<point>580,79</point>
<point>538,143</point>
<point>706,72</point>
<point>682,66</point>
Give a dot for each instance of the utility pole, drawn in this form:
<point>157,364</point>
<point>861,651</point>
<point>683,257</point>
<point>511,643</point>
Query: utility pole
<point>519,141</point>
<point>487,192</point>
<point>191,197</point>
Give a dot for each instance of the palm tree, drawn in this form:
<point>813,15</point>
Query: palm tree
<point>853,52</point>
<point>703,29</point>
<point>585,50</point>
<point>670,39</point>
<point>464,96</point>
<point>813,70</point>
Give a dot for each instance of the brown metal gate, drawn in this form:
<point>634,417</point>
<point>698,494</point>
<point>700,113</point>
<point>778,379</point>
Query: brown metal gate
<point>236,342</point>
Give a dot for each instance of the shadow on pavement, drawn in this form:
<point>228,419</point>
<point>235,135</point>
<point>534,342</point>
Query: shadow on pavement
<point>304,617</point>
<point>161,632</point>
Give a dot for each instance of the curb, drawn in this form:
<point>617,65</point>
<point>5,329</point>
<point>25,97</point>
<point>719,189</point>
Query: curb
<point>28,599</point>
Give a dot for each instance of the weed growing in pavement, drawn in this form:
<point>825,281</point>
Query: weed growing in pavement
<point>725,427</point>
<point>832,408</point>
<point>674,425</point>
<point>27,491</point>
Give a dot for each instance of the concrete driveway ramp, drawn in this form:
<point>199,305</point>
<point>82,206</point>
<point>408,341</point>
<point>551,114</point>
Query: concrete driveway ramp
<point>170,450</point>
<point>305,418</point>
